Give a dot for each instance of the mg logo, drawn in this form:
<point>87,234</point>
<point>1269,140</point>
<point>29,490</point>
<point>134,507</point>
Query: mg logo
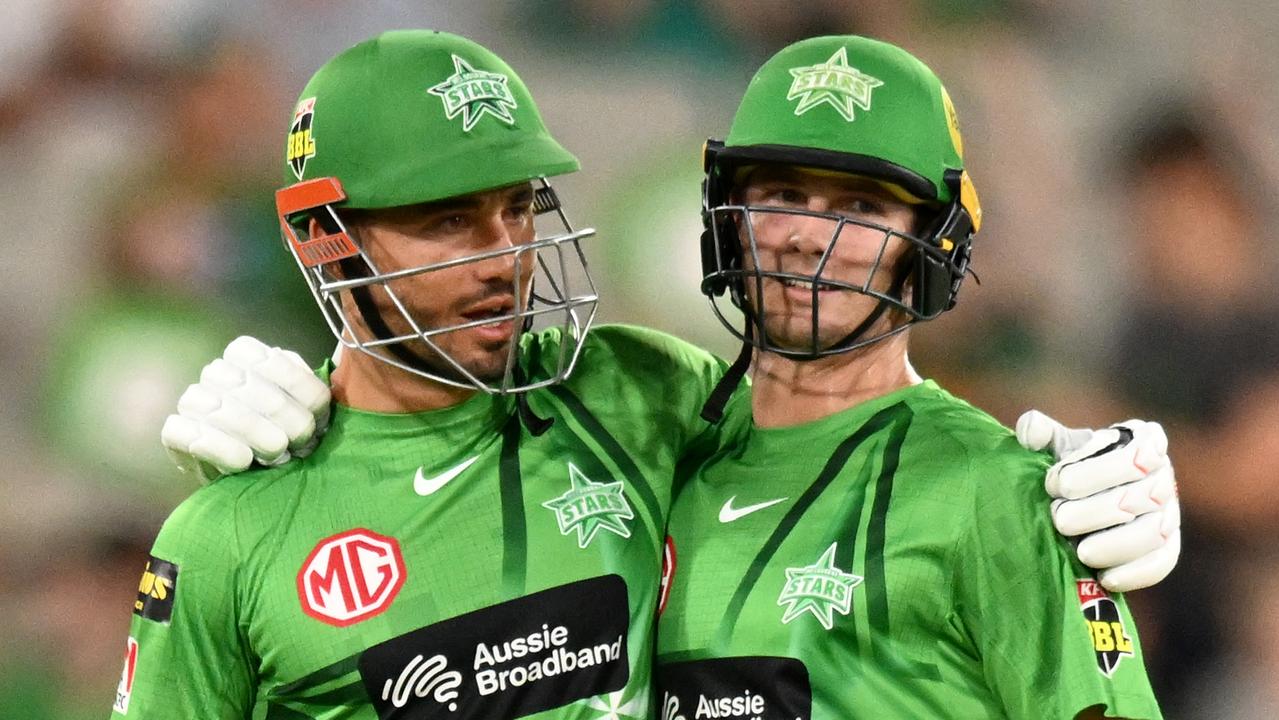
<point>350,577</point>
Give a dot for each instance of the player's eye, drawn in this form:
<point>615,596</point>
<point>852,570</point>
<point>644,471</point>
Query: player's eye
<point>449,223</point>
<point>863,207</point>
<point>518,212</point>
<point>778,196</point>
<point>791,196</point>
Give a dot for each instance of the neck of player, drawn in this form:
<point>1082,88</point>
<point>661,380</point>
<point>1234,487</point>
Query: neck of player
<point>791,392</point>
<point>366,383</point>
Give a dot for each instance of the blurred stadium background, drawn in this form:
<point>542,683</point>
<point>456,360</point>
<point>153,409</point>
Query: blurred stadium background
<point>1127,159</point>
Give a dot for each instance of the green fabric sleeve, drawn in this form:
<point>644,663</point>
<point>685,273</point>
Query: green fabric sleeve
<point>1021,597</point>
<point>193,660</point>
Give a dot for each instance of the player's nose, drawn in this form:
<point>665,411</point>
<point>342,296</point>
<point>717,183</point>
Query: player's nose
<point>810,235</point>
<point>497,239</point>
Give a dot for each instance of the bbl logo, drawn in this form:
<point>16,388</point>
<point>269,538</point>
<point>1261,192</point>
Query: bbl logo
<point>821,589</point>
<point>589,507</point>
<point>301,144</point>
<point>1109,640</point>
<point>833,82</point>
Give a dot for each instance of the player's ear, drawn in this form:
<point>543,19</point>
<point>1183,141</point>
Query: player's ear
<point>922,218</point>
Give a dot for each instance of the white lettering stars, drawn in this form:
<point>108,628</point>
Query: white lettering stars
<point>834,83</point>
<point>821,589</point>
<point>474,94</point>
<point>589,507</point>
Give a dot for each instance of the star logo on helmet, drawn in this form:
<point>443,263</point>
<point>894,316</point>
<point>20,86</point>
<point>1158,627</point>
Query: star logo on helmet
<point>589,507</point>
<point>475,93</point>
<point>821,589</point>
<point>834,83</point>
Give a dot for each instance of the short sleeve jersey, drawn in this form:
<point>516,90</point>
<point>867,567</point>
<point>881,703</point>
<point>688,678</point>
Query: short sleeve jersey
<point>895,560</point>
<point>444,564</point>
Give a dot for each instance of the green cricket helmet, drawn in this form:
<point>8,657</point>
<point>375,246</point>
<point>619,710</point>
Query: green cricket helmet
<point>851,105</point>
<point>410,117</point>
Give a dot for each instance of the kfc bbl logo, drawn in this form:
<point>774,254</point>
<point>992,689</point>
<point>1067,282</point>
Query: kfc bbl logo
<point>1109,640</point>
<point>301,143</point>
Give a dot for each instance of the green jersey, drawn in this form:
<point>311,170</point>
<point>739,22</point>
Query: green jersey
<point>436,564</point>
<point>895,560</point>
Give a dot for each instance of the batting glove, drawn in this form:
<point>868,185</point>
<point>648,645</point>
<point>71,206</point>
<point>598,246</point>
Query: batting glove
<point>1114,490</point>
<point>253,403</point>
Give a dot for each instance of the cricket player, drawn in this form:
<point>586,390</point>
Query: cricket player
<point>895,566</point>
<point>458,546</point>
<point>518,576</point>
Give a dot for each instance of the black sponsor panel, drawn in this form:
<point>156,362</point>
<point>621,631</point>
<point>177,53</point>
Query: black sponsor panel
<point>522,657</point>
<point>157,590</point>
<point>749,688</point>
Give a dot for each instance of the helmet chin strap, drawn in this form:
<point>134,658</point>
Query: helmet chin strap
<point>373,319</point>
<point>713,409</point>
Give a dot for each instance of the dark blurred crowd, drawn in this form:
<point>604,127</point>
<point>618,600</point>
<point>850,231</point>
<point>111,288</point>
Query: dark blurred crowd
<point>1126,158</point>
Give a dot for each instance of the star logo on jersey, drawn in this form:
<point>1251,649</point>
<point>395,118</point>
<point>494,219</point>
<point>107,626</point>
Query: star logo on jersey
<point>821,589</point>
<point>589,507</point>
<point>613,708</point>
<point>474,94</point>
<point>834,83</point>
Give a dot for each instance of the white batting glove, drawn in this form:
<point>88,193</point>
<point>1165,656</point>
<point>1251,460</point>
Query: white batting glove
<point>1114,488</point>
<point>254,403</point>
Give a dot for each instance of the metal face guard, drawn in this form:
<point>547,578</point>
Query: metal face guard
<point>561,293</point>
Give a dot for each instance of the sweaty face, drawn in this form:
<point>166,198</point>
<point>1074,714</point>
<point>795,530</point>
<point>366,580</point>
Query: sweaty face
<point>421,235</point>
<point>798,253</point>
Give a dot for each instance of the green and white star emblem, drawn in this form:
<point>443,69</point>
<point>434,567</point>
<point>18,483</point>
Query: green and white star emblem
<point>821,589</point>
<point>834,83</point>
<point>590,507</point>
<point>475,93</point>
<point>614,709</point>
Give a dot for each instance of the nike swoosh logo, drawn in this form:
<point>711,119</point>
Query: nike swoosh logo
<point>728,513</point>
<point>426,486</point>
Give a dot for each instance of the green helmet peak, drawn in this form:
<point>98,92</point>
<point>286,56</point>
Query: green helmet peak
<point>853,104</point>
<point>413,116</point>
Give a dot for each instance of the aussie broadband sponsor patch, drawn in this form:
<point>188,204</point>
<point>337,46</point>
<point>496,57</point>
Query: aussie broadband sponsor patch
<point>525,656</point>
<point>749,688</point>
